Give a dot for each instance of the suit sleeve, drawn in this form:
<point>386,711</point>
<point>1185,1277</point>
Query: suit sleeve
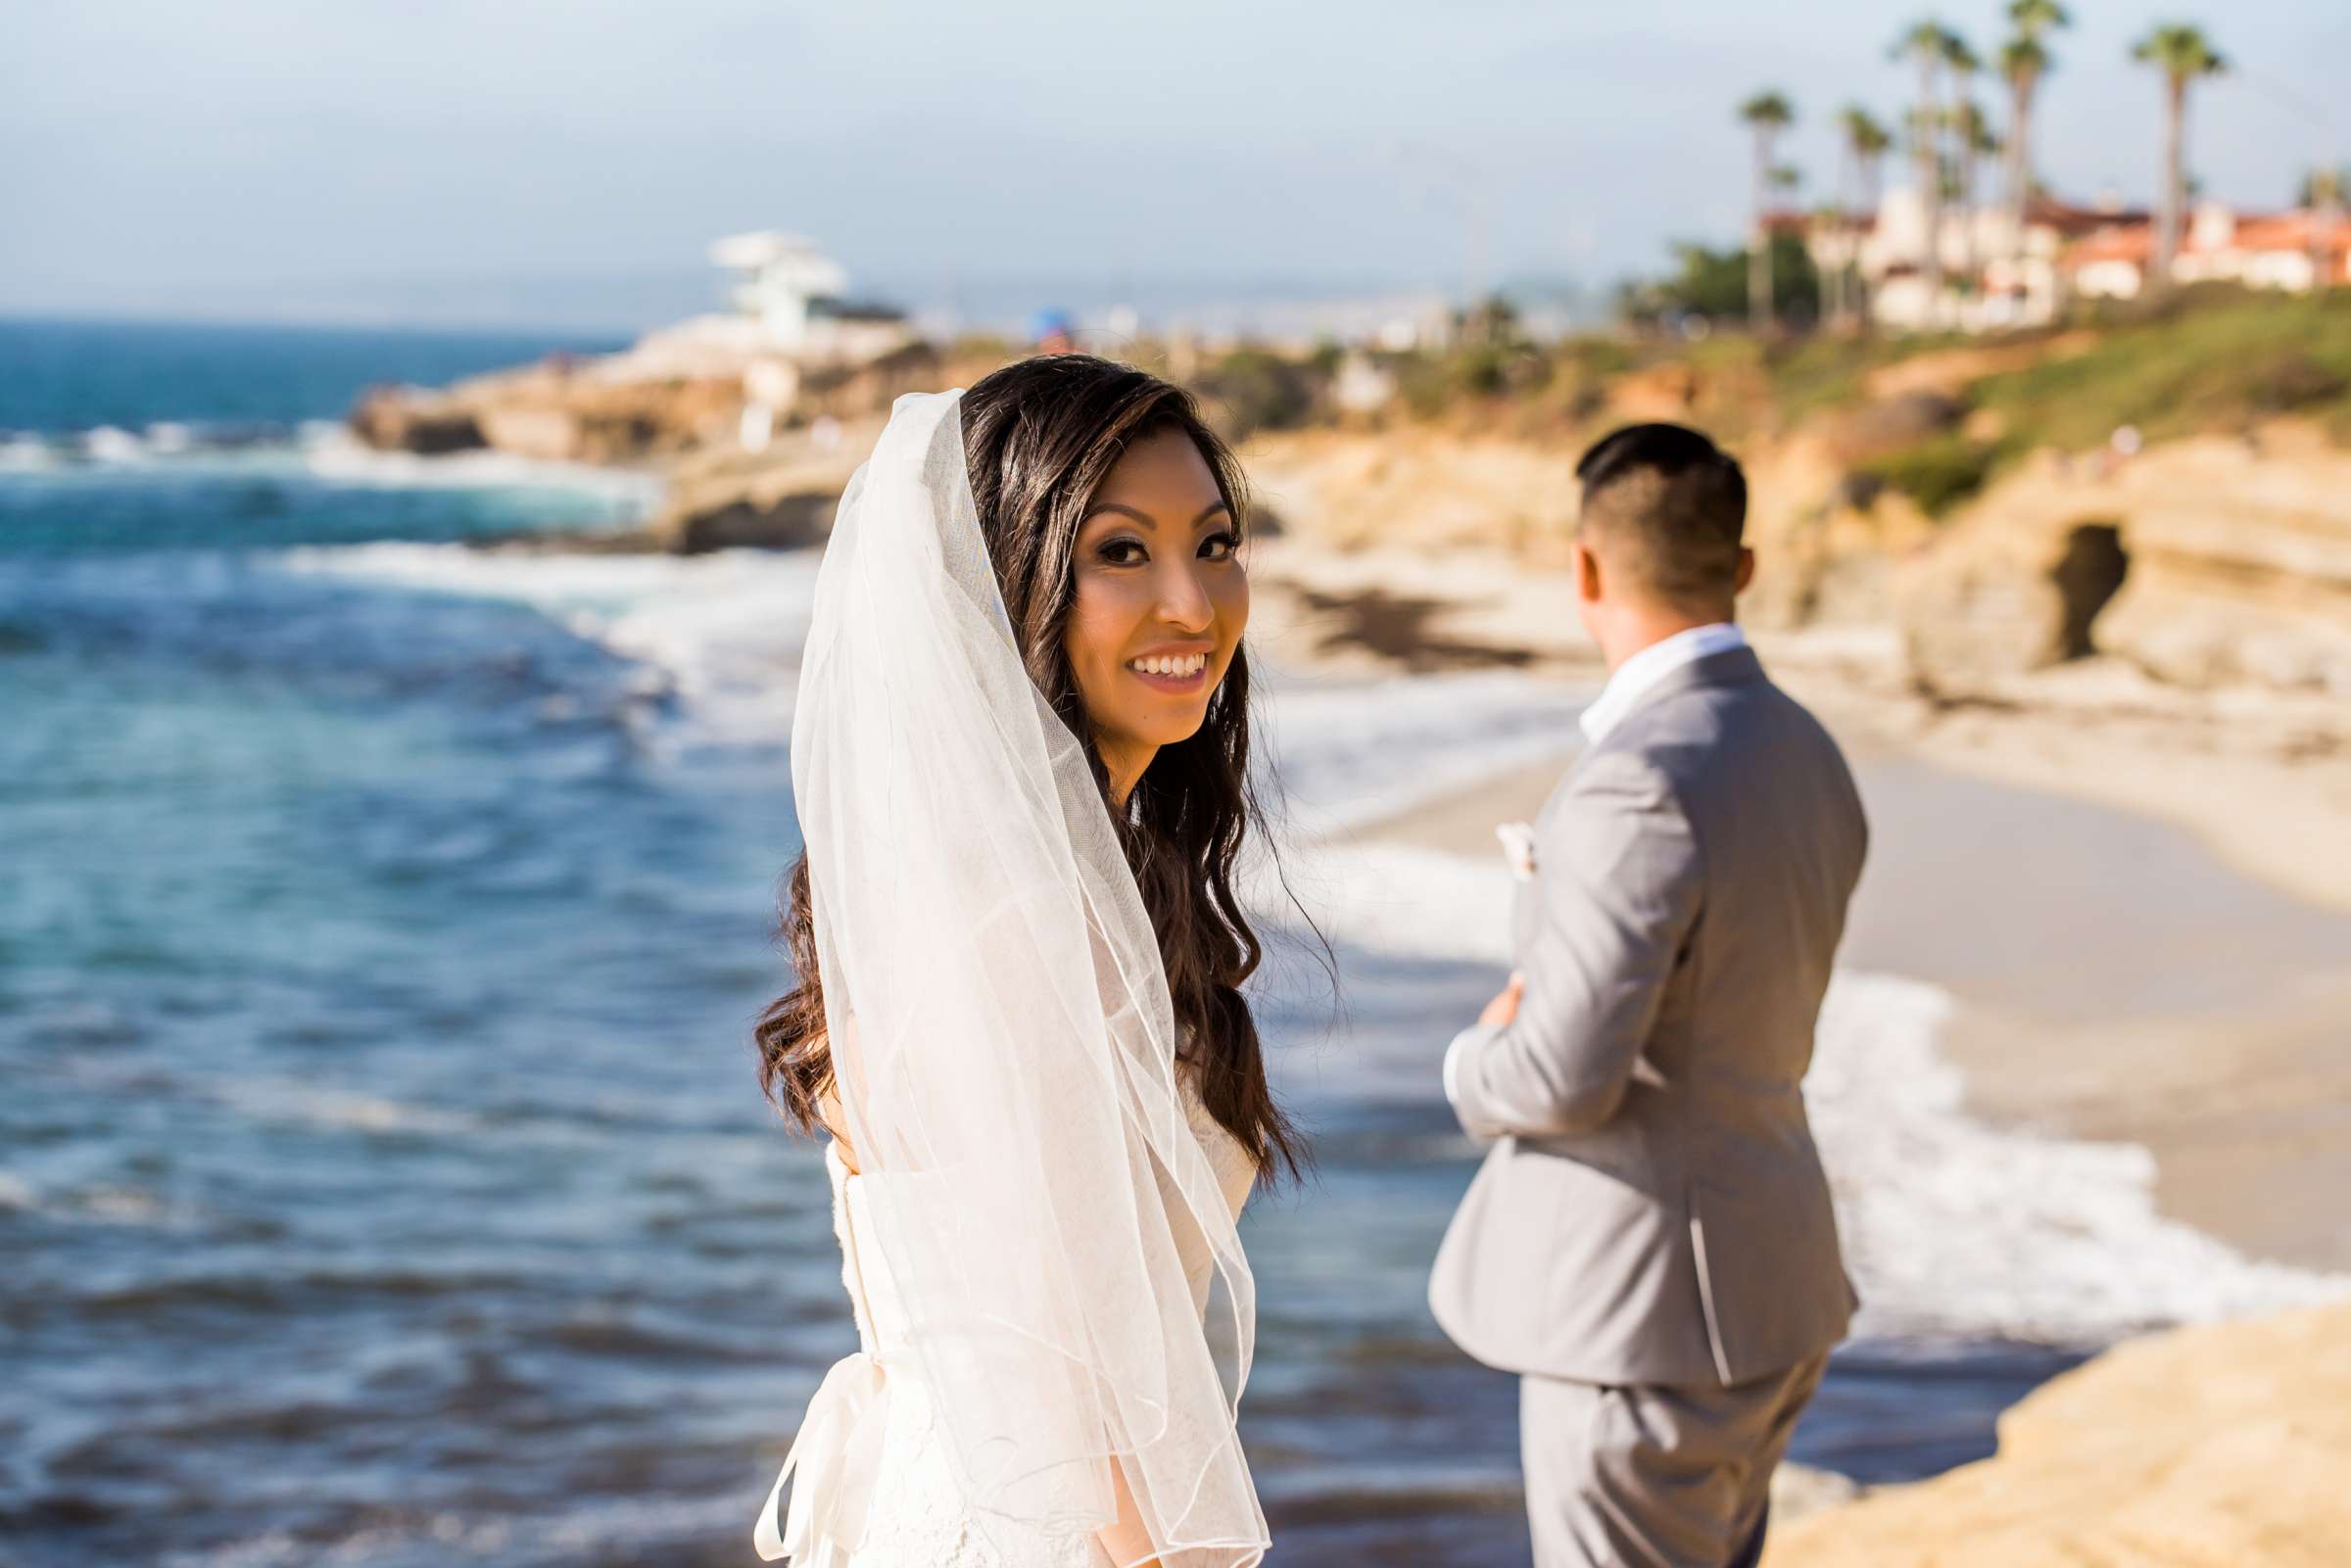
<point>1619,888</point>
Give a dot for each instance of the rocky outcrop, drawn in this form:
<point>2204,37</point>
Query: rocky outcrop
<point>2208,1448</point>
<point>632,407</point>
<point>1425,489</point>
<point>557,412</point>
<point>780,499</point>
<point>414,419</point>
<point>2215,561</point>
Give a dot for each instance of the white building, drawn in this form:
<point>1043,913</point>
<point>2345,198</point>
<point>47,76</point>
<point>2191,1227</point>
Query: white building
<point>1995,277</point>
<point>1995,273</point>
<point>794,295</point>
<point>2291,250</point>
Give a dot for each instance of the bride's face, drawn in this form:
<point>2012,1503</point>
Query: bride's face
<point>1161,602</point>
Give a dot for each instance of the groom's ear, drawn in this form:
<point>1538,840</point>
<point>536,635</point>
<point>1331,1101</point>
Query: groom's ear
<point>1747,570</point>
<point>1587,572</point>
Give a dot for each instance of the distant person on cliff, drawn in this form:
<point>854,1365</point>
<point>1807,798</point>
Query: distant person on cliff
<point>1649,1243</point>
<point>1052,332</point>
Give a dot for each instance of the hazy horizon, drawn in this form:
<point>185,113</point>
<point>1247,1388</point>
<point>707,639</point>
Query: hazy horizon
<point>535,165</point>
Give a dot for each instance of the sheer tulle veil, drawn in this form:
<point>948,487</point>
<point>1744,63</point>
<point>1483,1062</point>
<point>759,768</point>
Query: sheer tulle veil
<point>1004,1041</point>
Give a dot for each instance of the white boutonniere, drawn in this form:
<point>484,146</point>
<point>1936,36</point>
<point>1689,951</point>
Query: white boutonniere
<point>1517,848</point>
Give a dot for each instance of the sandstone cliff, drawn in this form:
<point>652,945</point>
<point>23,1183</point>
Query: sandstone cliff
<point>633,406</point>
<point>2206,563</point>
<point>2223,1446</point>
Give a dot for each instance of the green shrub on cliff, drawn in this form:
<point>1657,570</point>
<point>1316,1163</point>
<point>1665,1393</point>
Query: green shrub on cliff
<point>2214,360</point>
<point>1937,473</point>
<point>1253,389</point>
<point>2217,358</point>
<point>1712,284</point>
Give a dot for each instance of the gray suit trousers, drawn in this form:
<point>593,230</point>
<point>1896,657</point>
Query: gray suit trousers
<point>1653,1475</point>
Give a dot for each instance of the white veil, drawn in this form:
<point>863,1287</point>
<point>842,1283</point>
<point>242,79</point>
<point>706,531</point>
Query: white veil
<point>1002,1028</point>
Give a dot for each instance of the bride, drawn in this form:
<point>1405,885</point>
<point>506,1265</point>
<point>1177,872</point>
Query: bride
<point>1019,758</point>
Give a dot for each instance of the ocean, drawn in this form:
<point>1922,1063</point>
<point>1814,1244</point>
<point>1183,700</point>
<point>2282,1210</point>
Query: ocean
<point>383,1179</point>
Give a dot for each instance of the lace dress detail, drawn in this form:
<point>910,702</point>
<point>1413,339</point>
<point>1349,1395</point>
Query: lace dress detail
<point>872,1483</point>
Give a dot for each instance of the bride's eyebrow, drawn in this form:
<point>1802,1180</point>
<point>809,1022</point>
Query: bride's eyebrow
<point>1145,518</point>
<point>1140,516</point>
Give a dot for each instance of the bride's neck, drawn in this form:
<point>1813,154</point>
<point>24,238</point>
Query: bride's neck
<point>1126,766</point>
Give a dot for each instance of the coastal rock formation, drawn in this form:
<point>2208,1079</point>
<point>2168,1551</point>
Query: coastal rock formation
<point>2208,562</point>
<point>631,408</point>
<point>414,419</point>
<point>781,498</point>
<point>556,411</point>
<point>2207,1448</point>
<point>1421,489</point>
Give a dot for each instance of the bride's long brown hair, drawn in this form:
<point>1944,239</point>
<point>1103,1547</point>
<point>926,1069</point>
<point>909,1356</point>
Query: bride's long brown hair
<point>1039,438</point>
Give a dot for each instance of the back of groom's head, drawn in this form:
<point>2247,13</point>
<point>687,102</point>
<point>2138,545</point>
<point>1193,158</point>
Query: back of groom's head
<point>1666,509</point>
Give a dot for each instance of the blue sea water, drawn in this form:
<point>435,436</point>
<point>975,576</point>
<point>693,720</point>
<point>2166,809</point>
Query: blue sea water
<point>382,1179</point>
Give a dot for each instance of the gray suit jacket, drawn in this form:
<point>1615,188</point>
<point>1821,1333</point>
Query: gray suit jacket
<point>1653,1210</point>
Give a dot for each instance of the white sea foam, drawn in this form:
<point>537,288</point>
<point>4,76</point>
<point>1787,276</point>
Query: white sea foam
<point>137,1207</point>
<point>328,451</point>
<point>1348,752</point>
<point>292,1102</point>
<point>333,451</point>
<point>1959,1227</point>
<point>25,454</point>
<point>109,445</point>
<point>723,632</point>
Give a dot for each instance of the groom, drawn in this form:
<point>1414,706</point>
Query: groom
<point>1650,1244</point>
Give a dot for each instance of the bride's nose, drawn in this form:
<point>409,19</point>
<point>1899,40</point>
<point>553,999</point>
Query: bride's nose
<point>1183,602</point>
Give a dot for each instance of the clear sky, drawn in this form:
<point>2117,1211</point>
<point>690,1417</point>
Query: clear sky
<point>569,160</point>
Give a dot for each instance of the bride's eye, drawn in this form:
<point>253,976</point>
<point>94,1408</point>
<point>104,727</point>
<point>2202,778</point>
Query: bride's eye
<point>1122,553</point>
<point>1218,547</point>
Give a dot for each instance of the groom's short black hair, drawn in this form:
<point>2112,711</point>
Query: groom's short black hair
<point>1669,506</point>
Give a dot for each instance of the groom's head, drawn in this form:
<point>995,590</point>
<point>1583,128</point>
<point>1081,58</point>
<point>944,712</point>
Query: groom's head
<point>1659,542</point>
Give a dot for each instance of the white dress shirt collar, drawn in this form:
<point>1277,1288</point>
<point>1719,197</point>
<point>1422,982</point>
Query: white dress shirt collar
<point>1641,674</point>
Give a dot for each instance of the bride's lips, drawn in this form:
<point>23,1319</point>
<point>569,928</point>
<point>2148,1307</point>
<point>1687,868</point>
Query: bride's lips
<point>1175,671</point>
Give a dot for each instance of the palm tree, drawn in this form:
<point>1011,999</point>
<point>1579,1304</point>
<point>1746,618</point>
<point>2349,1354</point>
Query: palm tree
<point>1865,143</point>
<point>1925,43</point>
<point>2183,54</point>
<point>2323,194</point>
<point>1962,63</point>
<point>2023,61</point>
<point>1767,113</point>
<point>1972,141</point>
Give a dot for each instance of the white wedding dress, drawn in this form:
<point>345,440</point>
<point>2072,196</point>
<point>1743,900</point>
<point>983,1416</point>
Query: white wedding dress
<point>871,1437</point>
<point>1056,1311</point>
